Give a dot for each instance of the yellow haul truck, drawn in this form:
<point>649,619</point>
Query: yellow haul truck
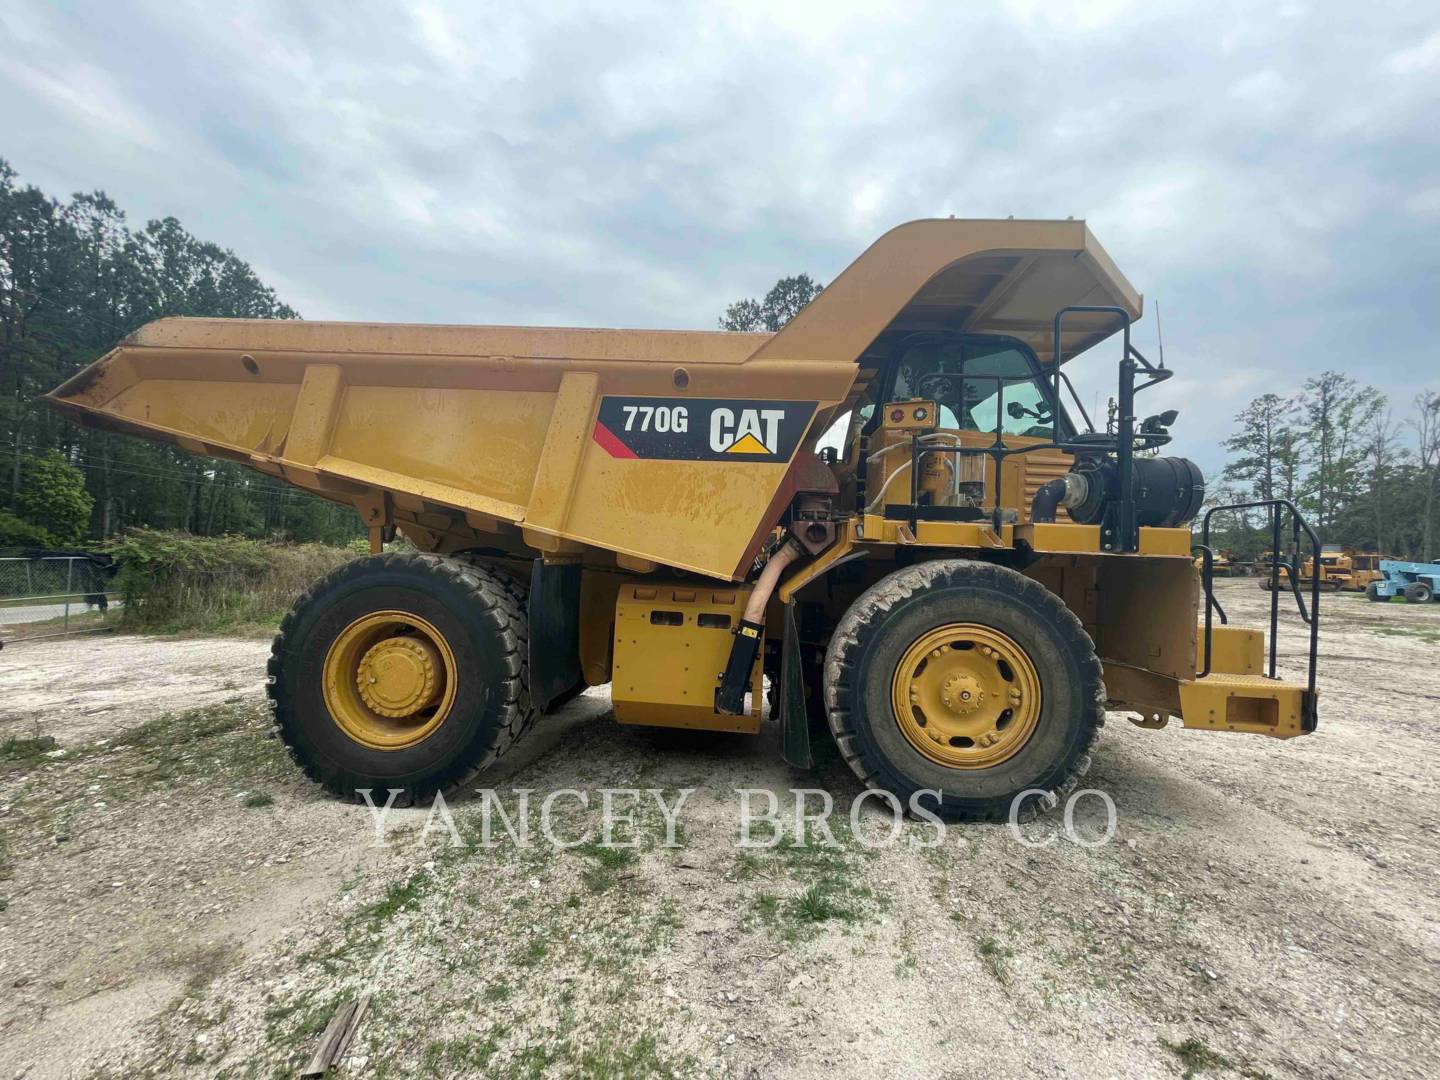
<point>885,508</point>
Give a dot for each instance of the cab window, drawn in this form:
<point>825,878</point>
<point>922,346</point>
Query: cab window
<point>964,377</point>
<point>845,429</point>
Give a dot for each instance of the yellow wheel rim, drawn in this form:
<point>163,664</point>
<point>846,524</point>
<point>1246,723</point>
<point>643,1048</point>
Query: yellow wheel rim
<point>389,680</point>
<point>966,696</point>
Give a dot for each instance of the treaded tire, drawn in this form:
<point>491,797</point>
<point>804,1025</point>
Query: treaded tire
<point>1417,592</point>
<point>482,615</point>
<point>877,629</point>
<point>1372,593</point>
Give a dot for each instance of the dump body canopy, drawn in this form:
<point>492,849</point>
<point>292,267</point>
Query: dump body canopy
<point>674,447</point>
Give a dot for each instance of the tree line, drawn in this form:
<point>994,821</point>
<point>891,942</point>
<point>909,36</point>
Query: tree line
<point>74,280</point>
<point>1365,477</point>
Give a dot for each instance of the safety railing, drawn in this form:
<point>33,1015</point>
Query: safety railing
<point>997,452</point>
<point>1310,614</point>
<point>1119,530</point>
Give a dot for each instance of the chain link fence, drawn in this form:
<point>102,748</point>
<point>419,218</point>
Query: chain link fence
<point>52,595</point>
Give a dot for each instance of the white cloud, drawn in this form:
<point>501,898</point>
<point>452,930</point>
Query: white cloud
<point>1267,90</point>
<point>1425,204</point>
<point>1077,15</point>
<point>85,97</point>
<point>1417,59</point>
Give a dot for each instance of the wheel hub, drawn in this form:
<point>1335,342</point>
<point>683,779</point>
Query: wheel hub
<point>397,677</point>
<point>390,680</point>
<point>962,694</point>
<point>966,696</point>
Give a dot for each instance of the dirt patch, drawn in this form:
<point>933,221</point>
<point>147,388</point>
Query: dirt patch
<point>1264,909</point>
<point>85,688</point>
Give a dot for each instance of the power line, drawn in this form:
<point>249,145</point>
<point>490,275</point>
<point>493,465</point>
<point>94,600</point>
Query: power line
<point>120,470</point>
<point>60,308</point>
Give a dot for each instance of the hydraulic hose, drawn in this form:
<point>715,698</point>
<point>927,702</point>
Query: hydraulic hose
<point>768,579</point>
<point>730,698</point>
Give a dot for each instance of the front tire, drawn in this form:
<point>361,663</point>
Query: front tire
<point>401,671</point>
<point>1372,593</point>
<point>923,668</point>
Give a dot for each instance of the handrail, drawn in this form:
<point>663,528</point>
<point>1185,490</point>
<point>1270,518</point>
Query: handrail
<point>1310,615</point>
<point>1132,362</point>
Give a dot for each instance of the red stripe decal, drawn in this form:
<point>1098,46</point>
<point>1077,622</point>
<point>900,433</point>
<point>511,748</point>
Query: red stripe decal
<point>610,443</point>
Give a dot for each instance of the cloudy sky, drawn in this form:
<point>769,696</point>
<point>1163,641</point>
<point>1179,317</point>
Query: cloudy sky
<point>1270,172</point>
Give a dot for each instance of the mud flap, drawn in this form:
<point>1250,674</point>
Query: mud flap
<point>794,719</point>
<point>554,613</point>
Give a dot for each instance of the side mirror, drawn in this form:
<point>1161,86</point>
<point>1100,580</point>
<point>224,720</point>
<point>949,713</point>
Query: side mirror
<point>1015,409</point>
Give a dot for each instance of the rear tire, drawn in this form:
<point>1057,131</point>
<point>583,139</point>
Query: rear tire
<point>480,625</point>
<point>872,651</point>
<point>1417,592</point>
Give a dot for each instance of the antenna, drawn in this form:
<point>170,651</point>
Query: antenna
<point>1159,334</point>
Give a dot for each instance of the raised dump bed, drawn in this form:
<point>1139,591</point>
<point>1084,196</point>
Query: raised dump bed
<point>886,508</point>
<point>461,433</point>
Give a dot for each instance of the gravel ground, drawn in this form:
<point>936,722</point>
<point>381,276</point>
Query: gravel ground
<point>176,900</point>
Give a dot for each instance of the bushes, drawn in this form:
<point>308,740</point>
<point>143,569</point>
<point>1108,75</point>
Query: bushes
<point>52,507</point>
<point>175,581</point>
<point>15,533</point>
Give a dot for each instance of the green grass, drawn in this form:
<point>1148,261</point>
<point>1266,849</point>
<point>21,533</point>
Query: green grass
<point>819,903</point>
<point>466,1056</point>
<point>531,953</point>
<point>1424,633</point>
<point>258,799</point>
<point>1196,1058</point>
<point>767,906</point>
<point>800,917</point>
<point>996,958</point>
<point>493,1029</point>
<point>607,862</point>
<point>831,888</point>
<point>585,919</point>
<point>400,896</point>
<point>640,1057</point>
<point>19,752</point>
<point>225,746</point>
<point>498,991</point>
<point>292,1027</point>
<point>227,743</point>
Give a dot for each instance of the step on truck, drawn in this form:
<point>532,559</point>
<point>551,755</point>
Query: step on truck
<point>887,510</point>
